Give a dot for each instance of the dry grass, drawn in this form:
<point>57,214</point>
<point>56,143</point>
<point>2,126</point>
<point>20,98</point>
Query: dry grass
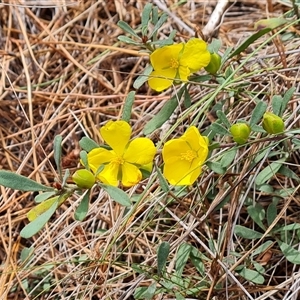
<point>62,70</point>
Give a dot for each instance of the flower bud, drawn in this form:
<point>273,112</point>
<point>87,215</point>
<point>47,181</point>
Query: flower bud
<point>240,132</point>
<point>272,124</point>
<point>214,65</point>
<point>84,178</point>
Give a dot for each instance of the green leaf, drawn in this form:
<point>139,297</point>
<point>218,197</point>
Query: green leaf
<point>252,275</point>
<point>35,226</point>
<point>126,115</point>
<point>140,292</point>
<point>43,196</point>
<point>57,152</point>
<point>83,207</point>
<point>258,112</point>
<point>222,117</point>
<point>161,43</point>
<point>65,177</point>
<point>262,248</point>
<point>146,16</point>
<point>289,252</point>
<point>162,255</point>
<point>257,214</point>
<point>219,129</point>
<point>276,104</point>
<point>271,213</point>
<point>182,256</point>
<point>196,259</point>
<point>21,183</point>
<point>271,23</point>
<point>26,253</point>
<point>228,158</point>
<point>268,172</point>
<point>141,79</point>
<point>287,172</point>
<point>290,227</point>
<point>45,205</point>
<point>286,98</point>
<point>116,194</point>
<point>162,180</point>
<point>164,114</point>
<point>214,46</point>
<point>216,167</point>
<point>127,40</point>
<point>159,23</point>
<point>247,233</point>
<point>84,159</point>
<point>249,41</point>
<point>257,128</point>
<point>187,98</point>
<point>154,15</point>
<point>150,292</point>
<point>88,144</point>
<point>124,26</point>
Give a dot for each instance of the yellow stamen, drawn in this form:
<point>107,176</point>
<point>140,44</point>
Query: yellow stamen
<point>188,155</point>
<point>174,63</point>
<point>118,160</point>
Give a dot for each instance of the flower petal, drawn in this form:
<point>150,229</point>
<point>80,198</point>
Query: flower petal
<point>116,134</point>
<point>195,55</point>
<point>197,142</point>
<point>140,151</point>
<point>163,58</point>
<point>131,174</point>
<point>162,79</point>
<point>109,175</point>
<point>183,73</point>
<point>98,157</point>
<point>173,149</point>
<point>181,172</point>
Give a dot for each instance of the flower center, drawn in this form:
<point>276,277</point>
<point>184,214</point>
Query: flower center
<point>118,160</point>
<point>174,63</point>
<point>188,155</point>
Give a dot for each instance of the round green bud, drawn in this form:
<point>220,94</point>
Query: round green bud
<point>214,65</point>
<point>240,133</point>
<point>272,124</point>
<point>84,178</point>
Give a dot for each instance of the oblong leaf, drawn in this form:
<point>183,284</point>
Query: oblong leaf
<point>57,152</point>
<point>162,255</point>
<point>268,172</point>
<point>289,252</point>
<point>182,256</point>
<point>88,144</point>
<point>249,41</point>
<point>141,79</point>
<point>83,207</point>
<point>252,275</point>
<point>21,183</point>
<point>219,129</point>
<point>164,114</point>
<point>127,108</point>
<point>45,205</point>
<point>258,112</point>
<point>228,157</point>
<point>33,227</point>
<point>124,26</point>
<point>43,196</point>
<point>247,233</point>
<point>116,194</point>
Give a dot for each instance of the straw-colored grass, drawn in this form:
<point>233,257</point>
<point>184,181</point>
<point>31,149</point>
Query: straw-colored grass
<point>64,72</point>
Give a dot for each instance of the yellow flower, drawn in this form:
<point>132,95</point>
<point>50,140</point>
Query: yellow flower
<point>124,160</point>
<point>177,62</point>
<point>184,157</point>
